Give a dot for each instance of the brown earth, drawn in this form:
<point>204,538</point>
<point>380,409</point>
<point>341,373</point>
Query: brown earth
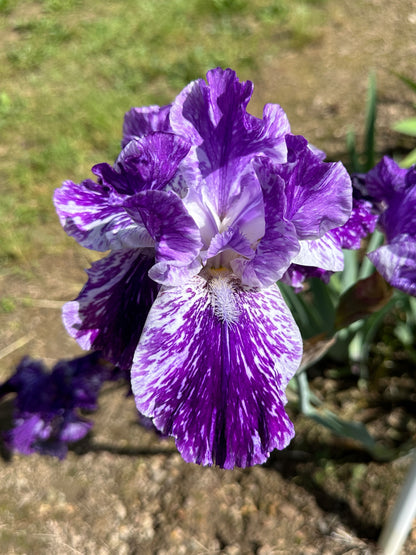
<point>125,491</point>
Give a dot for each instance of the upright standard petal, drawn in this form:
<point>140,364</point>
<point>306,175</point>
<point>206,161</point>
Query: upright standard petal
<point>224,136</point>
<point>211,369</point>
<point>139,122</point>
<point>110,312</point>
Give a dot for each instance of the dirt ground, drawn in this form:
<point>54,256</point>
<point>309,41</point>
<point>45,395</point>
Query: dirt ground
<point>125,491</point>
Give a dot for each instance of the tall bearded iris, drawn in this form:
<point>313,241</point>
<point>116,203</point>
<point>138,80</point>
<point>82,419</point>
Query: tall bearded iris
<point>204,210</point>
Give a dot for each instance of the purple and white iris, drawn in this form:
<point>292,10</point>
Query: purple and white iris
<point>393,190</point>
<point>204,210</point>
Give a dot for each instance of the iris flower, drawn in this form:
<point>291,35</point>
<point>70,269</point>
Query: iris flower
<point>203,212</point>
<point>45,417</point>
<point>393,190</point>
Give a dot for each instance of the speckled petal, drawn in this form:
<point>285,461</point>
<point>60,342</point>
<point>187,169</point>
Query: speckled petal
<point>318,194</point>
<point>111,309</point>
<point>94,215</point>
<point>396,262</point>
<point>361,223</point>
<point>211,369</point>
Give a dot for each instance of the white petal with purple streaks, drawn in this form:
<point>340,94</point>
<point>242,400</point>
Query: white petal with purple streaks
<point>324,253</point>
<point>95,217</point>
<point>211,369</point>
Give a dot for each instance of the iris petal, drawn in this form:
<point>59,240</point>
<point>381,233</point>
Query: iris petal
<point>214,376</point>
<point>176,235</point>
<point>324,253</point>
<point>111,309</point>
<point>224,136</point>
<point>396,262</point>
<point>94,215</point>
<point>142,121</point>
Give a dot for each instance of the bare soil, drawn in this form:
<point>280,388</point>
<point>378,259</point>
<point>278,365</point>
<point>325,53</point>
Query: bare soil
<point>125,491</point>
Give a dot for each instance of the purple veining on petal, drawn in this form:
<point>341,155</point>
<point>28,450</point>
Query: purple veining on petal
<point>217,383</point>
<point>396,262</point>
<point>319,194</point>
<point>400,215</point>
<point>150,162</point>
<point>213,116</point>
<point>385,180</point>
<point>94,215</point>
<point>111,309</point>
<point>142,121</point>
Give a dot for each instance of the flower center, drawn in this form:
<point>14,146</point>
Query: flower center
<point>223,296</point>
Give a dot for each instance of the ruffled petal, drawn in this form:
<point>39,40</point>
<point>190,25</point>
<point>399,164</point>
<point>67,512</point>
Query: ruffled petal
<point>177,237</point>
<point>318,194</point>
<point>213,116</point>
<point>142,121</point>
<point>110,312</point>
<point>211,369</point>
<point>385,180</point>
<point>151,162</point>
<point>396,262</point>
<point>94,215</point>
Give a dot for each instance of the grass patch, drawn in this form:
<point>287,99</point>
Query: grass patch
<point>70,69</point>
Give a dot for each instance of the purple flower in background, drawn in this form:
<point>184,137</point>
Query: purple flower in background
<point>204,210</point>
<point>45,414</point>
<point>393,191</point>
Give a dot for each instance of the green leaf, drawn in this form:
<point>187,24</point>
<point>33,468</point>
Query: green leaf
<point>406,80</point>
<point>370,125</point>
<point>409,160</point>
<point>406,126</point>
